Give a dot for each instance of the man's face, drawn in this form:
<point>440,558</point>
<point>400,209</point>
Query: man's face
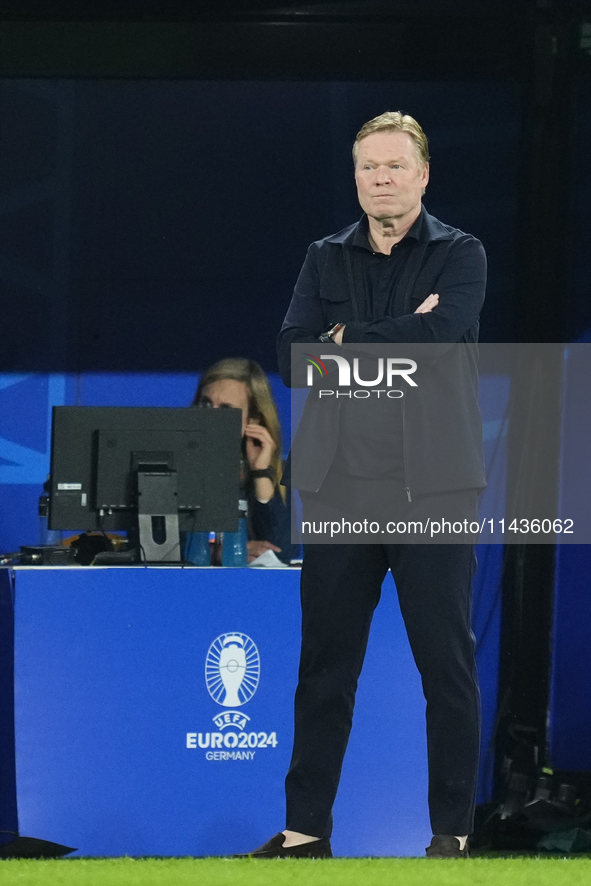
<point>389,176</point>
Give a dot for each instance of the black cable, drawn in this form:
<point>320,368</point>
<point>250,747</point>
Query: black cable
<point>101,515</point>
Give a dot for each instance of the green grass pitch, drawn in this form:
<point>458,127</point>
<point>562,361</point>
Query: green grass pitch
<point>288,872</point>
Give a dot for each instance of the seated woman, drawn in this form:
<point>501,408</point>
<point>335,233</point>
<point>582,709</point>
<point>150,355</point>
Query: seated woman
<point>241,384</point>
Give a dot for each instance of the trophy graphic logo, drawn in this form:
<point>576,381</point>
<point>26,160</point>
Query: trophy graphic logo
<point>232,669</point>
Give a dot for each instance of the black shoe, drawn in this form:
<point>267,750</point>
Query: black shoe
<point>273,848</point>
<point>444,846</point>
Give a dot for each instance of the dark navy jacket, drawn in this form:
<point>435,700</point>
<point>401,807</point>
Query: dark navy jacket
<point>442,426</point>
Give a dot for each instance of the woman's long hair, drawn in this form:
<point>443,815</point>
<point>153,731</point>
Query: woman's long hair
<point>261,405</point>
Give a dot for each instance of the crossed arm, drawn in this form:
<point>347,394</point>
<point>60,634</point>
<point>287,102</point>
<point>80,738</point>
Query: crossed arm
<point>443,317</point>
<point>424,308</point>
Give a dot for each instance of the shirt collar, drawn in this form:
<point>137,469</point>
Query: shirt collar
<point>361,235</point>
<point>425,229</point>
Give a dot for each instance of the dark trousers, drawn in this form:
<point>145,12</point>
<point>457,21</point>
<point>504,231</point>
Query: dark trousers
<point>340,589</point>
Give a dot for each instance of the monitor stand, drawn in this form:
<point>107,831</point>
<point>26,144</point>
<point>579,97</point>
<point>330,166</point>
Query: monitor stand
<point>158,518</point>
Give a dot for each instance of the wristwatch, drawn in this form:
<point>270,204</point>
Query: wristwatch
<point>328,334</point>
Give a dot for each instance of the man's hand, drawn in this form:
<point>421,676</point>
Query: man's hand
<point>338,338</point>
<point>256,548</point>
<point>430,302</point>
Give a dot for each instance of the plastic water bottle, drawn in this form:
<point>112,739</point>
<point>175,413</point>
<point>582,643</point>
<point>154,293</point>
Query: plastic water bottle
<point>198,549</point>
<point>234,550</point>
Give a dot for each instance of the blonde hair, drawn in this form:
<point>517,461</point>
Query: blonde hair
<point>395,121</point>
<point>261,405</point>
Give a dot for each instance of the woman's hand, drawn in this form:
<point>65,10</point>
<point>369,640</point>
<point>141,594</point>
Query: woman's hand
<point>260,447</point>
<point>256,548</point>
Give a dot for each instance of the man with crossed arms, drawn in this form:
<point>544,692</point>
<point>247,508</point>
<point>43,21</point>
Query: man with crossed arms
<point>397,276</point>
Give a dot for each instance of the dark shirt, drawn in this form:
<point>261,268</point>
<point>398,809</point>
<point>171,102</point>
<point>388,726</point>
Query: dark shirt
<point>380,273</point>
<point>370,441</point>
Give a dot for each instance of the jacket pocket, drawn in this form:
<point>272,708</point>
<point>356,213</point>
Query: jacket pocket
<point>336,306</point>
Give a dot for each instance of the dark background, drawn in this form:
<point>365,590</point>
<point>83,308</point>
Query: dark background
<point>187,208</point>
<point>164,166</point>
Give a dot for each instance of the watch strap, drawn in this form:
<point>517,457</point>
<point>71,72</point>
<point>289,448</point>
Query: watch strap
<point>263,472</point>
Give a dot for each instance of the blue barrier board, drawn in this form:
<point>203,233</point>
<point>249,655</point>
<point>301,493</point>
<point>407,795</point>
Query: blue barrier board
<point>153,712</point>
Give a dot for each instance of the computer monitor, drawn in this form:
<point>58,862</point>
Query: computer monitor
<point>151,471</point>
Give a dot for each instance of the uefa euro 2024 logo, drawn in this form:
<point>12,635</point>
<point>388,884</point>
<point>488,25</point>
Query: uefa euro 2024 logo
<point>232,669</point>
<point>232,673</point>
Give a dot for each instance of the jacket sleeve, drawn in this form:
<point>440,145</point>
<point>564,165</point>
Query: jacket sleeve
<point>461,287</point>
<point>271,522</point>
<point>304,320</point>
